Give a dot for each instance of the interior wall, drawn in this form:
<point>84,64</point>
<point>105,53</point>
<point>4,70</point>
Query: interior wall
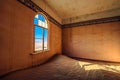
<point>98,41</point>
<point>17,38</point>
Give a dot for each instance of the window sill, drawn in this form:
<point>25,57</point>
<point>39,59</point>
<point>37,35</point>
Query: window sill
<point>39,52</point>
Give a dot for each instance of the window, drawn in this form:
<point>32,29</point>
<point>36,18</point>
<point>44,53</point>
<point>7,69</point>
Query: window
<point>40,33</point>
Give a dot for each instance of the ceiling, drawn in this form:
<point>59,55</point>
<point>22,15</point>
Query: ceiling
<point>72,8</point>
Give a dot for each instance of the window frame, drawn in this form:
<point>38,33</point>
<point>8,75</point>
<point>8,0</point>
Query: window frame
<point>43,50</point>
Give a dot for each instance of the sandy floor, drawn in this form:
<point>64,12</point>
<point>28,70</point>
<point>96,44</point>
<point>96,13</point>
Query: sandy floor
<point>65,68</point>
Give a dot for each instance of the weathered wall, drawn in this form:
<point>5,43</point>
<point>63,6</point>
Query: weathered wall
<point>93,16</point>
<point>16,38</point>
<point>99,41</point>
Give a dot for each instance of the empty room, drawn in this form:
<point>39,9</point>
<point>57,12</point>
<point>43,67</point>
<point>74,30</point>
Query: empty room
<point>60,40</point>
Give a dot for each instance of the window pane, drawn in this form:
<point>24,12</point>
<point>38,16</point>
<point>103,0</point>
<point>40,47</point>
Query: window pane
<point>38,38</point>
<point>41,17</point>
<point>38,44</point>
<point>36,21</point>
<point>45,39</point>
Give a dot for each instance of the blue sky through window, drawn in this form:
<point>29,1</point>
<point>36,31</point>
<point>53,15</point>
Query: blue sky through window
<point>45,38</point>
<point>35,21</point>
<point>38,32</point>
<point>41,17</point>
<point>38,20</point>
<point>38,38</point>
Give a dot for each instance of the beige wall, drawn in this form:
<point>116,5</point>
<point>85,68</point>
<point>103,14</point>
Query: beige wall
<point>99,41</point>
<point>16,38</point>
<point>93,16</point>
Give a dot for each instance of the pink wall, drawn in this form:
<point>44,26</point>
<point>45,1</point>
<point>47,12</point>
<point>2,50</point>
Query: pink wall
<point>99,41</point>
<point>17,38</point>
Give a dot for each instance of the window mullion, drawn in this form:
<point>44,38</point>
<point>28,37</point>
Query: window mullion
<point>43,39</point>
